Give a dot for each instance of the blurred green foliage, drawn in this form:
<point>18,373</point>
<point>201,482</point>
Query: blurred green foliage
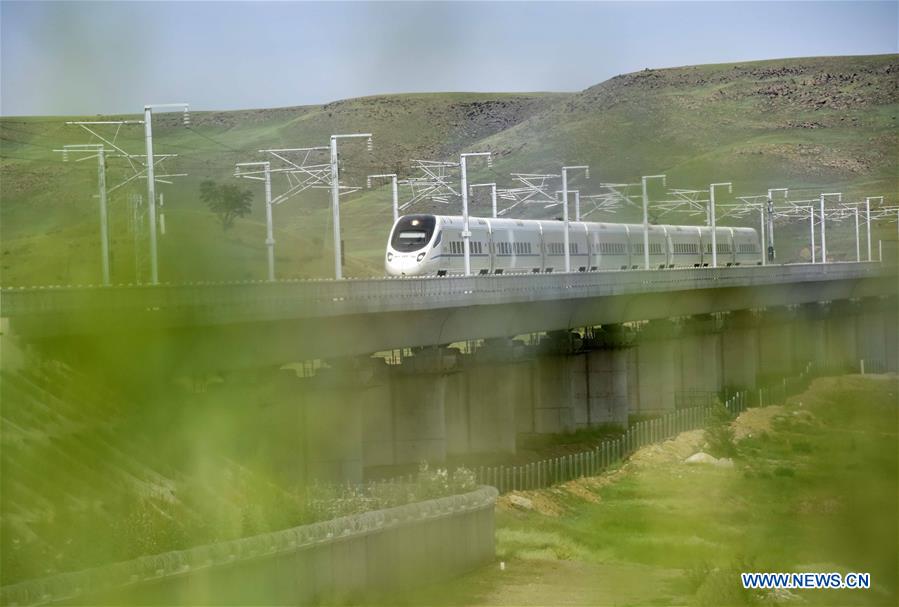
<point>96,472</point>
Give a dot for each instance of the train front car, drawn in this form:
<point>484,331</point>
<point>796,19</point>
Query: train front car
<point>410,248</point>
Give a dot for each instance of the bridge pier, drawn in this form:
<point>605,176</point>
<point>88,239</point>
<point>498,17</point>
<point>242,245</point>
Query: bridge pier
<point>607,358</point>
<point>556,380</point>
<point>871,334</point>
<point>809,336</point>
<point>378,444</point>
<point>700,355</point>
<point>496,380</point>
<point>739,350</point>
<point>775,343</point>
<point>891,331</point>
<point>658,367</point>
<point>418,390</point>
<point>332,414</point>
<point>841,351</point>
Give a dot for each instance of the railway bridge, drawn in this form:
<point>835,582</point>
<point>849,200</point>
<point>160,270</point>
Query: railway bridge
<point>553,353</point>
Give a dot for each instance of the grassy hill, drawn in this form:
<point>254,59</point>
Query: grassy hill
<point>811,124</point>
<point>49,213</point>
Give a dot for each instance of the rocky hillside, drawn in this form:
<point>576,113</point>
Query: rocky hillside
<point>808,123</point>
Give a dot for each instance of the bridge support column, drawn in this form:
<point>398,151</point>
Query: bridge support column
<point>891,331</point>
<point>841,351</point>
<point>559,385</point>
<point>809,336</point>
<point>739,350</point>
<point>418,388</point>
<point>378,442</point>
<point>871,336</point>
<point>332,421</point>
<point>458,440</point>
<point>700,355</point>
<point>607,358</point>
<point>496,380</point>
<point>658,367</point>
<point>775,344</point>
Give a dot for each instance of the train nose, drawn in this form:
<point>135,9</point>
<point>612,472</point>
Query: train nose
<point>403,265</point>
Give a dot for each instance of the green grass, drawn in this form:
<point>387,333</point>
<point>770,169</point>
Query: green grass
<point>697,124</point>
<point>814,494</point>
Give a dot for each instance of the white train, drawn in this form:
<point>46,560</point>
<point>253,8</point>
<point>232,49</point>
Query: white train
<point>431,245</point>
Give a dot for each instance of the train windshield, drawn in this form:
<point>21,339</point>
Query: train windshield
<point>412,232</point>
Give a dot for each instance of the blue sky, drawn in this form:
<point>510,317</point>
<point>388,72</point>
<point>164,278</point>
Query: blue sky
<point>104,57</point>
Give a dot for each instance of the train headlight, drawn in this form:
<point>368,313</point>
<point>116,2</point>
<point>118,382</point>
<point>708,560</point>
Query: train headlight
<point>389,256</point>
<point>420,257</point>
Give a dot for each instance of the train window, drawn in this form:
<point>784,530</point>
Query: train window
<point>413,232</point>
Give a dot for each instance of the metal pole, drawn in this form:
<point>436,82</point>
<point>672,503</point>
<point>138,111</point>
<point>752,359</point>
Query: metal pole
<point>335,209</point>
<point>577,205</point>
<point>565,218</point>
<point>762,232</point>
<point>493,199</point>
<point>712,213</point>
<point>269,227</point>
<point>162,214</point>
<point>770,235</point>
<point>104,225</point>
<point>811,228</point>
<point>714,235</point>
<point>868,225</point>
<point>466,234</point>
<point>396,198</point>
<point>858,246</point>
<point>645,226</point>
<point>151,193</point>
<point>824,224</point>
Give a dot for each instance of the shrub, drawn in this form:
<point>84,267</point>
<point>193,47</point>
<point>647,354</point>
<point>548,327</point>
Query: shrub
<point>719,436</point>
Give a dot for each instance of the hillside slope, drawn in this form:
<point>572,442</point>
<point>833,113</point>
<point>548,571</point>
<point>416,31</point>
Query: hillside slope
<point>809,124</point>
<point>49,210</point>
<point>794,121</point>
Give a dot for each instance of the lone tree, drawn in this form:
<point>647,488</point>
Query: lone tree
<point>227,201</point>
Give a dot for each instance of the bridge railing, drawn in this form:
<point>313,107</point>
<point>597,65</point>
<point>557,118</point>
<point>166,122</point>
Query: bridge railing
<point>328,297</point>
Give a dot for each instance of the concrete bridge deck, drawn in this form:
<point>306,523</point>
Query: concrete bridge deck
<point>324,318</point>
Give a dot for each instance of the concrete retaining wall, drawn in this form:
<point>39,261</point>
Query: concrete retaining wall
<point>333,561</point>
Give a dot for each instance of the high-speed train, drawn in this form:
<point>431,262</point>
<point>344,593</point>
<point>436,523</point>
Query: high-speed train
<point>431,245</point>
